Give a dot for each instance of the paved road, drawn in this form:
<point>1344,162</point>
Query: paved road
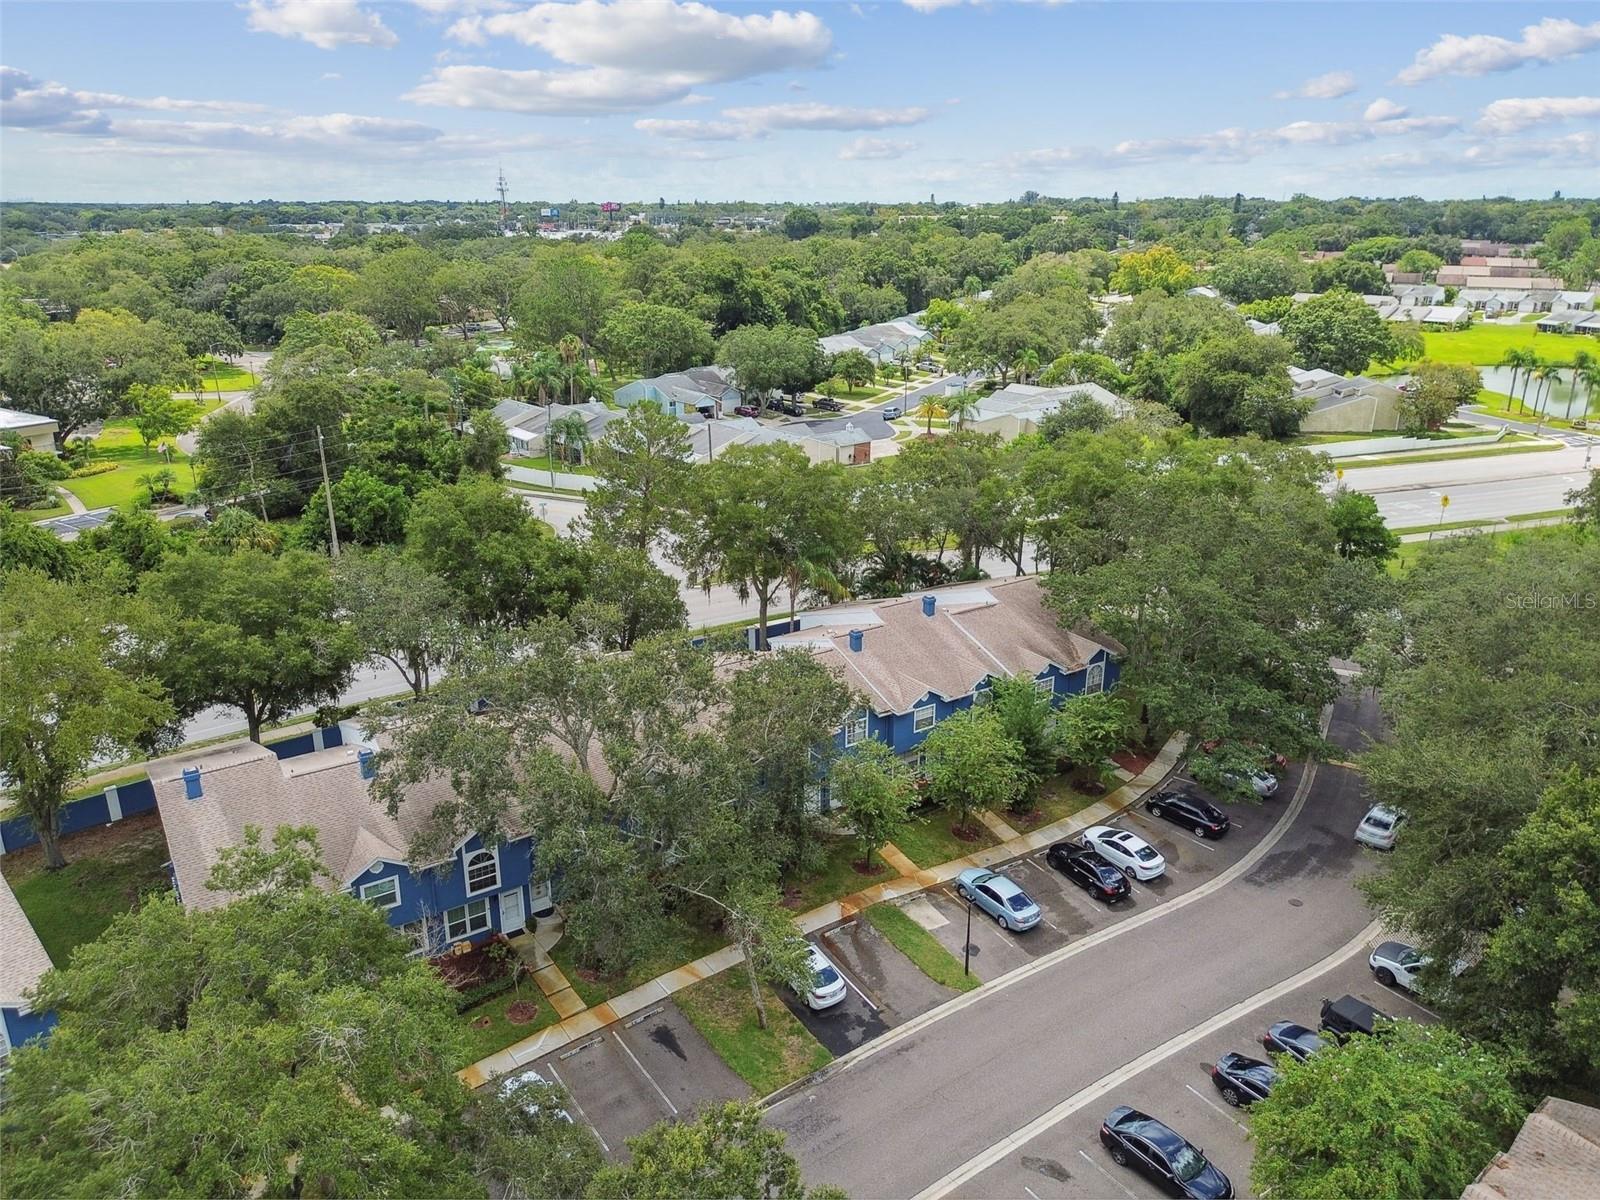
<point>1501,486</point>
<point>921,1104</point>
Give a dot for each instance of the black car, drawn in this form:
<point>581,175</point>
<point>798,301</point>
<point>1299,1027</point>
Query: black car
<point>1285,1037</point>
<point>1088,870</point>
<point>1193,812</point>
<point>1242,1080</point>
<point>829,404</point>
<point>1163,1156</point>
<point>1347,1015</point>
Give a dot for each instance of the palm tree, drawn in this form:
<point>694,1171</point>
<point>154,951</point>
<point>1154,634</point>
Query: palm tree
<point>1589,376</point>
<point>1529,369</point>
<point>570,433</point>
<point>959,406</point>
<point>1518,360</point>
<point>1546,374</point>
<point>1027,364</point>
<point>571,351</point>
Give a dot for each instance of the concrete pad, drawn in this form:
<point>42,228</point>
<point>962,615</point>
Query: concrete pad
<point>551,980</point>
<point>924,913</point>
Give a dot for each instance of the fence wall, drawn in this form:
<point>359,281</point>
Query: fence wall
<point>137,796</point>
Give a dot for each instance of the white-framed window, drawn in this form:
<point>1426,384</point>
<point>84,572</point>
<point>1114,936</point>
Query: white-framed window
<point>472,917</point>
<point>384,893</point>
<point>922,718</point>
<point>1094,679</point>
<point>483,871</point>
<point>1045,686</point>
<point>982,694</point>
<point>855,727</point>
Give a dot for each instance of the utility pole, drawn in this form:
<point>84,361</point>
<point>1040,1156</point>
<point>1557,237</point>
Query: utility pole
<point>327,494</point>
<point>261,501</point>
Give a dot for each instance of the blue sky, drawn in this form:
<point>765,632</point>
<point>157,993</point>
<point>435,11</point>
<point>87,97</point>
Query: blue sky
<point>893,100</point>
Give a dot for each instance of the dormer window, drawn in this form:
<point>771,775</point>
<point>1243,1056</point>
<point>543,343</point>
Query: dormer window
<point>1094,679</point>
<point>483,872</point>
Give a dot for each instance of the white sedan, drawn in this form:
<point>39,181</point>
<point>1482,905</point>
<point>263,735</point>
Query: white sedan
<point>1129,851</point>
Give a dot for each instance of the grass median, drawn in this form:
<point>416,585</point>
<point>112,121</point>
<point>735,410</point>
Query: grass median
<point>722,1010</point>
<point>920,946</point>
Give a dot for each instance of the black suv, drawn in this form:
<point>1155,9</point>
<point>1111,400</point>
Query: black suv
<point>793,407</point>
<point>1347,1015</point>
<point>829,404</point>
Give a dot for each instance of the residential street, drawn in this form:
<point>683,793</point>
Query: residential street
<point>932,1097</point>
<point>1500,486</point>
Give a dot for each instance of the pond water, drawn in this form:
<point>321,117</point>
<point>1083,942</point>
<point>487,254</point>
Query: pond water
<point>1560,400</point>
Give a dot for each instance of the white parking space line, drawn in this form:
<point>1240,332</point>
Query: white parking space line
<point>599,1137</point>
<point>1218,1109</point>
<point>631,1058</point>
<point>1030,1191</point>
<point>1110,1178</point>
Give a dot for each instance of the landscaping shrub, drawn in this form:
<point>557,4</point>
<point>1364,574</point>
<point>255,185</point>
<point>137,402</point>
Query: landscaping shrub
<point>93,469</point>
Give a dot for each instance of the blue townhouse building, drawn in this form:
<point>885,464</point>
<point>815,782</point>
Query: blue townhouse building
<point>23,961</point>
<point>207,799</point>
<point>916,659</point>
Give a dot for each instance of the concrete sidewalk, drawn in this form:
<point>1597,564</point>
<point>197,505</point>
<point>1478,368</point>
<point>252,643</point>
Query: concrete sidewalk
<point>911,879</point>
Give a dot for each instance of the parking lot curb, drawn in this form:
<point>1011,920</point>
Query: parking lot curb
<point>1045,961</point>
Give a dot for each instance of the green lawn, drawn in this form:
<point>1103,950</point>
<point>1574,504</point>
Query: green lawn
<point>927,840</point>
<point>722,1010</point>
<point>1498,404</point>
<point>225,377</point>
<point>1058,799</point>
<point>1487,523</point>
<point>542,463</point>
<point>840,392</point>
<point>1411,551</point>
<point>920,946</point>
<point>1486,345</point>
<point>682,944</point>
<point>58,509</point>
<point>119,444</point>
<point>838,876</point>
<point>497,1032</point>
<point>75,904</point>
<point>1390,460</point>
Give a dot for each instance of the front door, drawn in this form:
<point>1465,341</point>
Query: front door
<point>512,913</point>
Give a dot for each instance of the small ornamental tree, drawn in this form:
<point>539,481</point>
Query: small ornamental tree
<point>873,789</point>
<point>1089,729</point>
<point>1028,718</point>
<point>973,765</point>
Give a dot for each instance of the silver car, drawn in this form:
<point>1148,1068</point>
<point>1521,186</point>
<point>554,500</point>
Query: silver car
<point>998,896</point>
<point>512,1085</point>
<point>1379,827</point>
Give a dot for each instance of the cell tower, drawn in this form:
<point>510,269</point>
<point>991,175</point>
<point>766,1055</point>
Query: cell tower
<point>505,213</point>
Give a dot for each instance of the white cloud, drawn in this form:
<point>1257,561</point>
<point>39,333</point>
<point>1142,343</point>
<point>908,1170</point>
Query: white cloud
<point>875,149</point>
<point>1574,150</point>
<point>824,116</point>
<point>550,92</point>
<point>1551,40</point>
<point>696,98</point>
<point>326,24</point>
<point>689,39</point>
<point>622,55</point>
<point>695,131</point>
<point>442,8</point>
<point>32,103</point>
<point>1511,115</point>
<point>332,75</point>
<point>1322,87</point>
<point>1384,109</point>
<point>928,6</point>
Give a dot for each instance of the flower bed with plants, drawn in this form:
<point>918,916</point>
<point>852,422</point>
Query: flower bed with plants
<point>477,972</point>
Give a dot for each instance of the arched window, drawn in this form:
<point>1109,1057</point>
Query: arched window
<point>483,871</point>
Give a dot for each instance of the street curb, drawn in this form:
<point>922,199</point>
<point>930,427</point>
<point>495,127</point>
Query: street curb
<point>900,1032</point>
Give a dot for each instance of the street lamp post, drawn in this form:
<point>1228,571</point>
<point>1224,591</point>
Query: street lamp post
<point>966,958</point>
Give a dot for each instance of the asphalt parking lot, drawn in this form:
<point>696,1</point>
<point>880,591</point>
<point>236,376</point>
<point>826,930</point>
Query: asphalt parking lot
<point>895,984</point>
<point>1067,1161</point>
<point>652,1067</point>
<point>844,1026</point>
<point>1069,913</point>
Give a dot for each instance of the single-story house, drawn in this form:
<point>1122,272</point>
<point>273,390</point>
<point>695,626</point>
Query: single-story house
<point>1384,305</point>
<point>32,430</point>
<point>1017,408</point>
<point>1205,290</point>
<point>916,659</point>
<point>1435,315</point>
<point>208,797</point>
<point>1570,320</point>
<point>1263,328</point>
<point>1419,295</point>
<point>1474,298</point>
<point>1581,300</point>
<point>849,441</point>
<point>708,391</point>
<point>708,438</point>
<point>23,963</point>
<point>883,343</point>
<point>1343,404</point>
<point>526,424</point>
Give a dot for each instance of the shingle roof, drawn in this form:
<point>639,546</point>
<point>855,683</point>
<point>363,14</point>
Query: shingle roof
<point>13,418</point>
<point>1556,1154</point>
<point>24,959</point>
<point>998,627</point>
<point>246,784</point>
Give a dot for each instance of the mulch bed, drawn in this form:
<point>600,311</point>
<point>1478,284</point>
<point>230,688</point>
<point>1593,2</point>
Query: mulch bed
<point>523,1012</point>
<point>474,968</point>
<point>967,833</point>
<point>1132,761</point>
<point>97,841</point>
